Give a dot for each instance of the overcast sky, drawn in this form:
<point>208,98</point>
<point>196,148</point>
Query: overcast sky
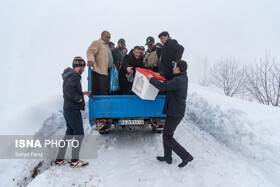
<point>40,38</point>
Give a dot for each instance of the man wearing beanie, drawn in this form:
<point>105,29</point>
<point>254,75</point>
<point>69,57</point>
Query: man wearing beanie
<point>174,109</point>
<point>73,103</point>
<point>118,54</point>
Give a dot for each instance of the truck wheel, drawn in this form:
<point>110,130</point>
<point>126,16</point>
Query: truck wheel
<point>106,132</point>
<point>104,128</point>
<point>158,129</point>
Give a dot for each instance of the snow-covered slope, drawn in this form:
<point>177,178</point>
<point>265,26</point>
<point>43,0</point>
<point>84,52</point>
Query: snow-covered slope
<point>234,143</point>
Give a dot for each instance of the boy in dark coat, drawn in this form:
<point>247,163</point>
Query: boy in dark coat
<point>174,109</point>
<point>73,103</point>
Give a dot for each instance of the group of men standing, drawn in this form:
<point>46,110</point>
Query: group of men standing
<point>165,59</point>
<point>102,58</point>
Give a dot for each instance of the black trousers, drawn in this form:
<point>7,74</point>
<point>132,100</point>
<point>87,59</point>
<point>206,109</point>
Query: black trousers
<point>169,143</point>
<point>100,83</point>
<point>75,129</point>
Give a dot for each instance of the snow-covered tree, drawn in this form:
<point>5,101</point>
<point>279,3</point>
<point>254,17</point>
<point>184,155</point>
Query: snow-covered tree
<point>228,76</point>
<point>263,81</point>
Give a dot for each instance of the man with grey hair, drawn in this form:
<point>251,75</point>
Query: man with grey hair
<point>99,57</point>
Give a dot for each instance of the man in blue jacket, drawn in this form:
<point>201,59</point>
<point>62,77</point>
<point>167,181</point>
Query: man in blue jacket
<point>174,109</point>
<point>73,103</point>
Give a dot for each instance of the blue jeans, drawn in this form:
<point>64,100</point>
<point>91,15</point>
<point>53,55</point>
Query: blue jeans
<point>74,124</point>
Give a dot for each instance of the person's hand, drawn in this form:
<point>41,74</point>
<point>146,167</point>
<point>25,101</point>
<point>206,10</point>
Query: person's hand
<point>90,63</point>
<point>80,100</point>
<point>129,69</point>
<point>149,76</point>
<point>87,93</point>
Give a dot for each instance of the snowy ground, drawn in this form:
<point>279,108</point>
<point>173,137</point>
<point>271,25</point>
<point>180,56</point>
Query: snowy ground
<point>234,143</point>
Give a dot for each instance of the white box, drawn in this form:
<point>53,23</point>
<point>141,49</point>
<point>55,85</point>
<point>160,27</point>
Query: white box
<point>142,87</point>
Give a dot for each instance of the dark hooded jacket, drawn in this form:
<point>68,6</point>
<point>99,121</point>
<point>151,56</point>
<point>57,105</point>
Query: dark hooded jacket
<point>118,57</point>
<point>171,51</point>
<point>176,88</point>
<point>129,61</point>
<point>72,90</point>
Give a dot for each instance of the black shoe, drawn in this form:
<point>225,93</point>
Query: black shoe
<point>185,162</point>
<point>163,158</point>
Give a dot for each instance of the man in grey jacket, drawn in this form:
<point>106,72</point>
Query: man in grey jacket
<point>174,108</point>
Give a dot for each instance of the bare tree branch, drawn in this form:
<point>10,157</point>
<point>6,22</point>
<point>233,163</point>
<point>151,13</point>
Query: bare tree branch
<point>228,76</point>
<point>263,81</point>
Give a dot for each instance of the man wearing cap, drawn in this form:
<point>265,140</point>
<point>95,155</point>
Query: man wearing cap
<point>174,109</point>
<point>152,55</point>
<point>118,54</point>
<point>171,51</point>
<point>101,60</point>
<point>73,103</point>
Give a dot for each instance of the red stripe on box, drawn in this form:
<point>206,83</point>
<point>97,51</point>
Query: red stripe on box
<point>147,72</point>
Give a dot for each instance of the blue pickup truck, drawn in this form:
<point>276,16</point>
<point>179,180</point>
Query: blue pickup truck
<point>127,112</point>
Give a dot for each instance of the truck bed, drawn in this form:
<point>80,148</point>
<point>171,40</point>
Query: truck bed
<point>125,106</point>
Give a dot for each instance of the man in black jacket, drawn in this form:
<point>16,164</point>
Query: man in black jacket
<point>171,51</point>
<point>174,108</point>
<point>127,72</point>
<point>73,103</point>
<point>118,54</point>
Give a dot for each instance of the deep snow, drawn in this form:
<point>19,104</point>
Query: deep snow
<point>234,143</point>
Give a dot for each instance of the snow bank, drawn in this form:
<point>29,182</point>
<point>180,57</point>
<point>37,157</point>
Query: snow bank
<point>49,113</point>
<point>247,128</point>
<point>230,144</point>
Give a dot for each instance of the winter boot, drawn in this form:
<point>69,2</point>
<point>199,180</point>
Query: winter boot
<point>166,159</point>
<point>185,161</point>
